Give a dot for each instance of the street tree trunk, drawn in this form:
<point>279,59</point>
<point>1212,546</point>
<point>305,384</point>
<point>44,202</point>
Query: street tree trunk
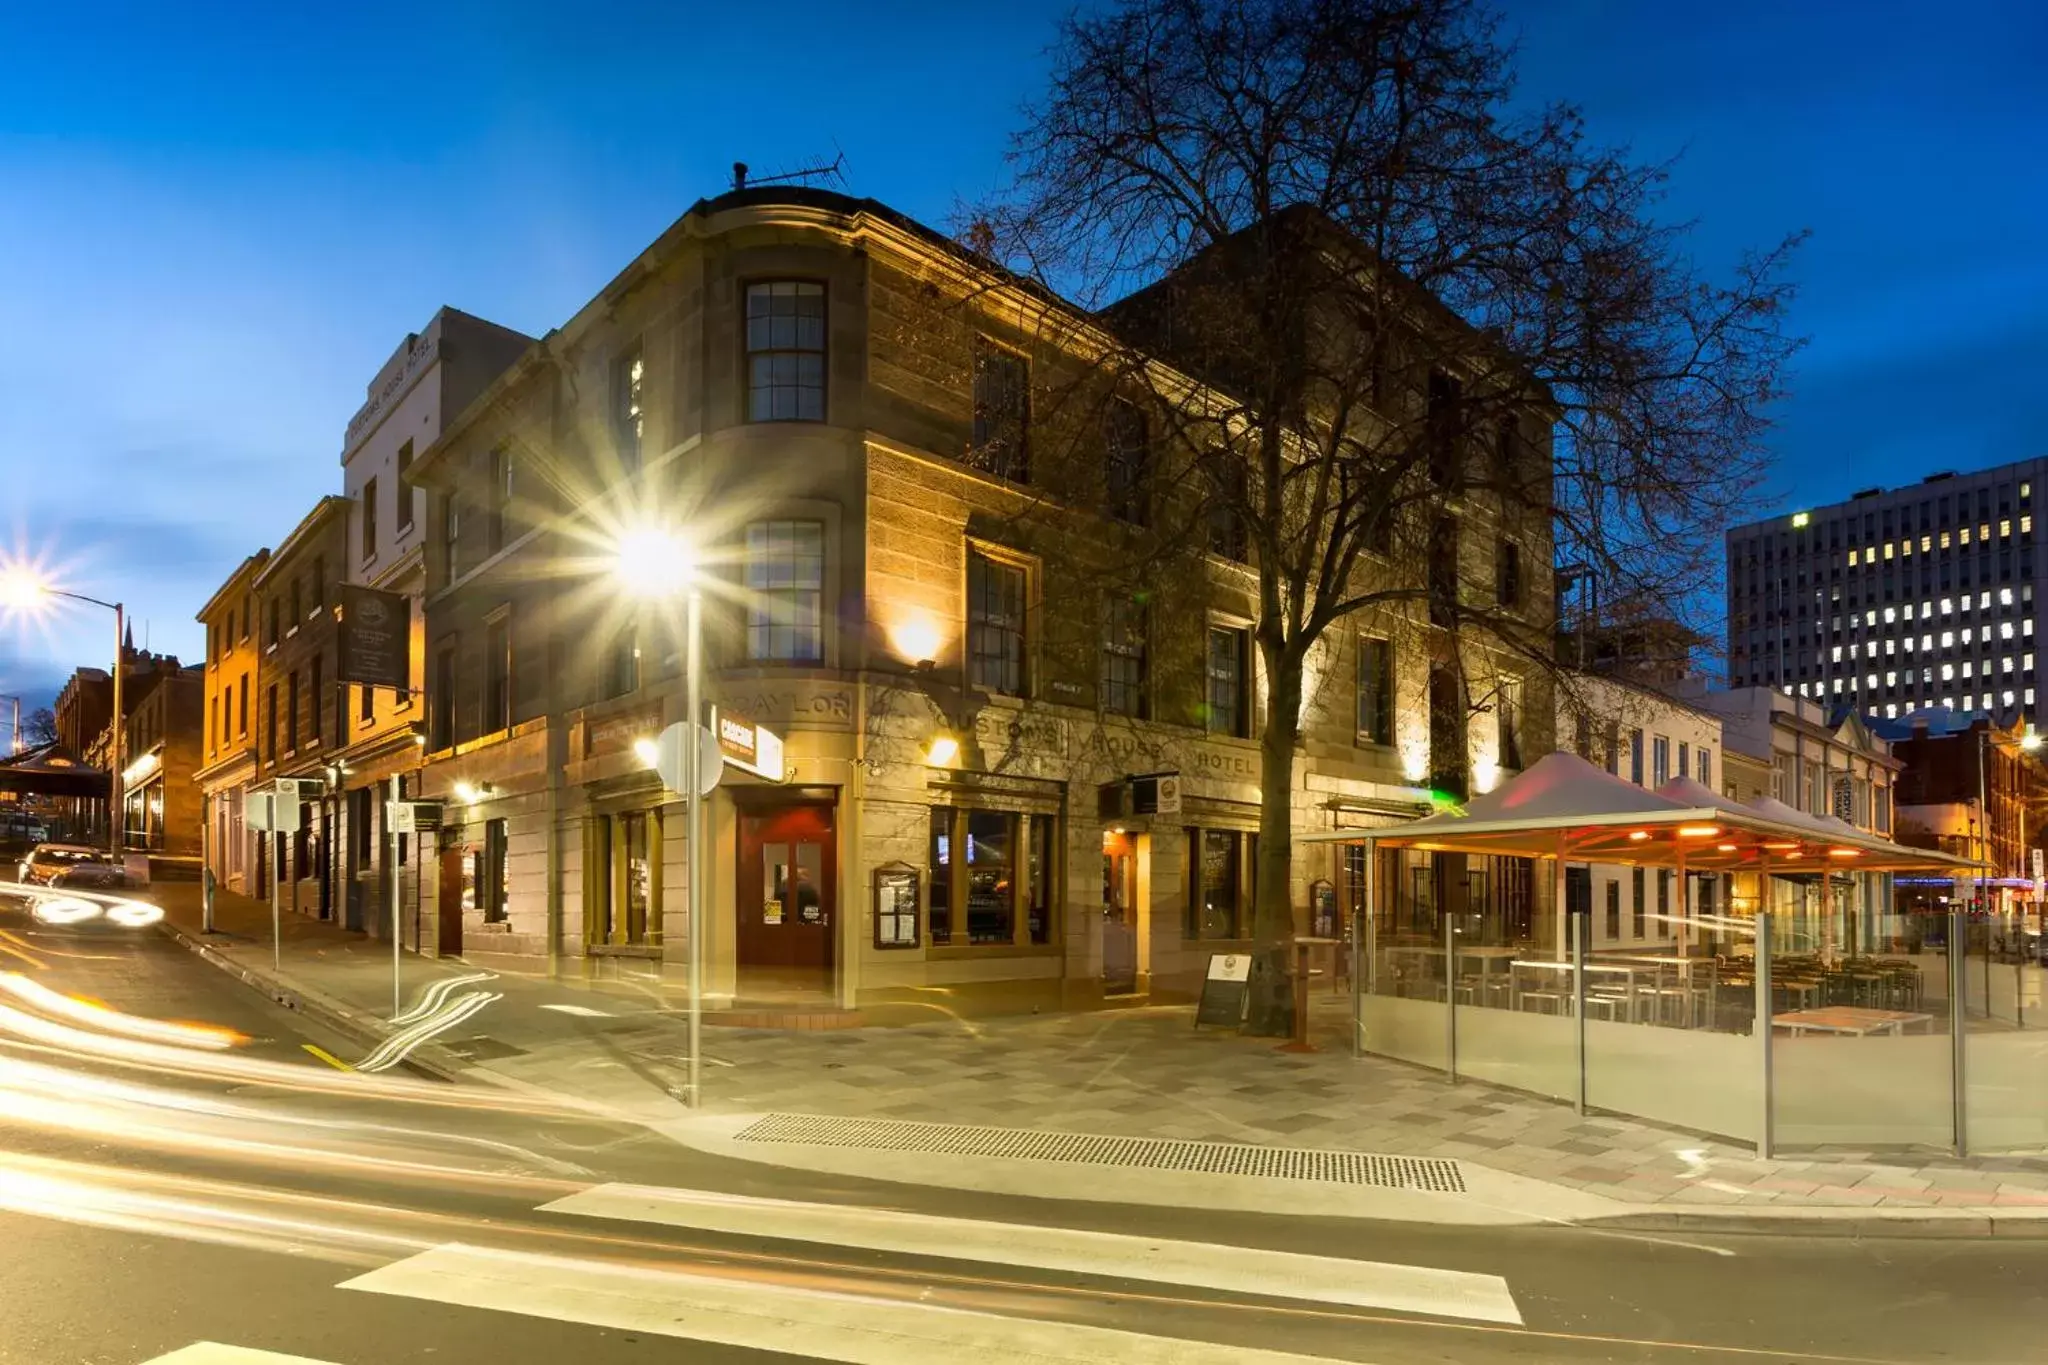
<point>1272,1005</point>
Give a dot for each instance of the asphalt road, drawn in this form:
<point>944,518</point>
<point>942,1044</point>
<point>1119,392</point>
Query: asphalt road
<point>157,1199</point>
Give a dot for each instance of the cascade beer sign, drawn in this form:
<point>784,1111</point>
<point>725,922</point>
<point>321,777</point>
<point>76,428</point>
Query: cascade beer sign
<point>749,747</point>
<point>376,637</point>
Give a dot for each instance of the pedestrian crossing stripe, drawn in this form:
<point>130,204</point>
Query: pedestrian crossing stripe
<point>1206,1265</point>
<point>850,1328</point>
<point>213,1353</point>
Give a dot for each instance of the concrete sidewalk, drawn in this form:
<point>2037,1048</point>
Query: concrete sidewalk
<point>1143,1073</point>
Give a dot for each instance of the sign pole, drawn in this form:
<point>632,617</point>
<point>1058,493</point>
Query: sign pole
<point>276,894</point>
<point>693,702</point>
<point>391,862</point>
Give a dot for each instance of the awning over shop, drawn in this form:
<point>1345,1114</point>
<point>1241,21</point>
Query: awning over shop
<point>51,770</point>
<point>1564,807</point>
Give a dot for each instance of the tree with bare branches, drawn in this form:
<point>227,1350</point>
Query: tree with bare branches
<point>1418,313</point>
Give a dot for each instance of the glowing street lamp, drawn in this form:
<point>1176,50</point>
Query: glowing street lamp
<point>21,590</point>
<point>655,563</point>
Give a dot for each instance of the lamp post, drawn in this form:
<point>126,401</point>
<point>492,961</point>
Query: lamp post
<point>21,590</point>
<point>657,564</point>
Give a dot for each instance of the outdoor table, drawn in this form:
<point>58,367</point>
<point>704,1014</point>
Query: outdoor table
<point>1486,956</point>
<point>1421,952</point>
<point>1847,1019</point>
<point>1520,965</point>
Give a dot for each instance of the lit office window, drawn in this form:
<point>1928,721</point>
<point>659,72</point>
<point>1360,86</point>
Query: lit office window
<point>1890,616</point>
<point>2005,630</point>
<point>2005,597</point>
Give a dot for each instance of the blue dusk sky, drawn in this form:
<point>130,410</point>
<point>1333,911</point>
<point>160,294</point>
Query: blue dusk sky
<point>217,220</point>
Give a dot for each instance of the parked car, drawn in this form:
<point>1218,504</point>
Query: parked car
<point>45,861</point>
<point>97,874</point>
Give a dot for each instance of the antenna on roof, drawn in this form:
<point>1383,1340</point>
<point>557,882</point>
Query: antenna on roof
<point>830,172</point>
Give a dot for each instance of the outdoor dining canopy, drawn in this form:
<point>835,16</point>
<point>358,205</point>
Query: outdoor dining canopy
<point>1710,1070</point>
<point>1567,809</point>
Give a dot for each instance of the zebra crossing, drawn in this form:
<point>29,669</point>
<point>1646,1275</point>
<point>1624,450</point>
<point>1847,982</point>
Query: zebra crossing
<point>768,1311</point>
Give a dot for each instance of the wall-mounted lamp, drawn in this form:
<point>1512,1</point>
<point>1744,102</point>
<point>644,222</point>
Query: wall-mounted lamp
<point>944,750</point>
<point>647,751</point>
<point>471,793</point>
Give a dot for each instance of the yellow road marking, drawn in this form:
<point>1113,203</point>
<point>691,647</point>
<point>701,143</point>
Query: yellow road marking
<point>324,1055</point>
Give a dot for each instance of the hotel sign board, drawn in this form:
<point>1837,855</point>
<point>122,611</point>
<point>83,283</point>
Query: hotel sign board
<point>376,637</point>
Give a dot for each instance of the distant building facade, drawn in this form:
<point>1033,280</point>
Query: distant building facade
<point>276,702</point>
<point>1897,599</point>
<point>228,771</point>
<point>1968,788</point>
<point>1824,762</point>
<point>1647,738</point>
<point>162,752</point>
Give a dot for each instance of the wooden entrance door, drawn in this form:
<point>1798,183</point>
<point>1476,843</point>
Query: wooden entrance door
<point>448,904</point>
<point>787,908</point>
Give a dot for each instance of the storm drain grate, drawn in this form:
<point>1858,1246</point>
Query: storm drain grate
<point>1436,1175</point>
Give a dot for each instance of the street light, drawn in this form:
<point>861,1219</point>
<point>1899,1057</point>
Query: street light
<point>21,590</point>
<point>654,563</point>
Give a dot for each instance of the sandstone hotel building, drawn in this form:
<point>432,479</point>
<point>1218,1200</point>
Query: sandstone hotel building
<point>837,406</point>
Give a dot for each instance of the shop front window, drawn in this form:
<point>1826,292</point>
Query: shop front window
<point>624,880</point>
<point>991,876</point>
<point>975,898</point>
<point>492,892</point>
<point>639,878</point>
<point>1217,896</point>
<point>941,897</point>
<point>1039,916</point>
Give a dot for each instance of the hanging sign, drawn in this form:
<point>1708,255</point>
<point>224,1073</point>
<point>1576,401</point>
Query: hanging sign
<point>376,637</point>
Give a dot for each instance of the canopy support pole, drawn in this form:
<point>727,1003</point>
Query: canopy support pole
<point>1362,956</point>
<point>1766,1117</point>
